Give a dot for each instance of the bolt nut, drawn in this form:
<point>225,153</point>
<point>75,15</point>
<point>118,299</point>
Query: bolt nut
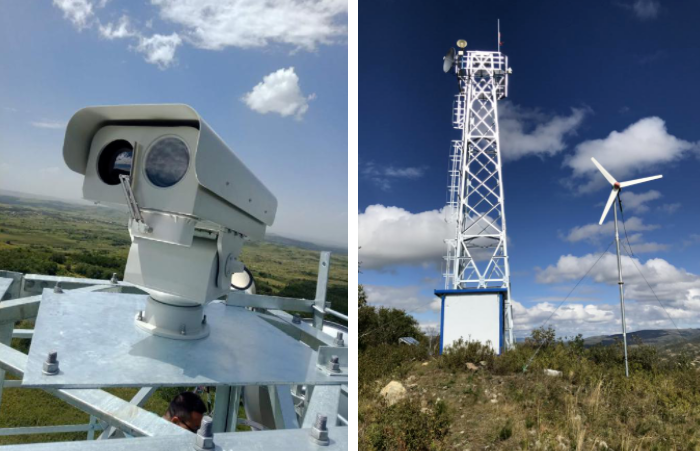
<point>114,280</point>
<point>183,330</point>
<point>296,319</point>
<point>339,340</point>
<point>319,432</point>
<point>205,435</point>
<point>57,289</point>
<point>334,364</point>
<point>139,316</point>
<point>51,364</point>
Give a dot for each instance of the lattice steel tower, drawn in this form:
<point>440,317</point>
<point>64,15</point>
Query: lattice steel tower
<point>477,256</point>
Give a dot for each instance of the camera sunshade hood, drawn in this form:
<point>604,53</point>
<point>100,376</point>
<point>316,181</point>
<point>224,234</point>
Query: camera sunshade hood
<point>217,168</point>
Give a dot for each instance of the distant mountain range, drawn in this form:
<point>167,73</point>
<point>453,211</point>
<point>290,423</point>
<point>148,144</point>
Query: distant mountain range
<point>658,337</point>
<point>112,213</point>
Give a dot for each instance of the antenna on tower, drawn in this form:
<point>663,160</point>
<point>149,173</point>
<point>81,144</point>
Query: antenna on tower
<point>615,194</point>
<point>499,35</point>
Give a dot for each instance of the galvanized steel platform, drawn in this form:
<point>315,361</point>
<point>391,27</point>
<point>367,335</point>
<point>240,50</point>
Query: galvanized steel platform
<point>99,345</point>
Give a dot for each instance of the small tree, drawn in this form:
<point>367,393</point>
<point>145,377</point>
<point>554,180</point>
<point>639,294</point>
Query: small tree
<point>543,337</point>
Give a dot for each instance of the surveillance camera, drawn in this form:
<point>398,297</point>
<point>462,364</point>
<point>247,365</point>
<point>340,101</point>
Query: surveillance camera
<point>191,202</point>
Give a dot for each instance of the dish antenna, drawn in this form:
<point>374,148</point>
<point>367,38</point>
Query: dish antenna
<point>448,60</point>
<point>615,193</point>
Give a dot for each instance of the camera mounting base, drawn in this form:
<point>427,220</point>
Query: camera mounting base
<point>173,321</point>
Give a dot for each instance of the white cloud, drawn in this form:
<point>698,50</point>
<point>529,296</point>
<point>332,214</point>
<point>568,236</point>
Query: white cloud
<point>77,11</point>
<point>54,125</point>
<point>638,202</point>
<point>216,24</point>
<point>594,233</point>
<point>383,177</point>
<point>279,92</point>
<point>670,208</point>
<point>391,236</point>
<point>406,298</point>
<point>643,146</point>
<point>159,49</point>
<point>677,289</point>
<point>646,9</point>
<point>526,131</point>
<point>120,30</point>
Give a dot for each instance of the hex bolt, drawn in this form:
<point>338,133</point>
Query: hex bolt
<point>205,435</point>
<point>319,432</point>
<point>139,317</point>
<point>339,340</point>
<point>296,319</point>
<point>57,288</point>
<point>51,364</point>
<point>183,330</point>
<point>334,364</point>
<point>114,280</point>
<point>204,319</point>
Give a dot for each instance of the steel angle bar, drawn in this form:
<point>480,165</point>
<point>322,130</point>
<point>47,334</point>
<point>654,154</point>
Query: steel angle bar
<point>4,286</point>
<point>321,288</point>
<point>313,337</point>
<point>106,407</point>
<point>283,407</point>
<point>139,400</point>
<point>284,440</point>
<point>242,299</point>
<point>22,333</point>
<point>221,408</point>
<point>325,400</point>
<point>48,429</point>
<point>34,284</point>
<point>27,308</point>
<point>14,290</point>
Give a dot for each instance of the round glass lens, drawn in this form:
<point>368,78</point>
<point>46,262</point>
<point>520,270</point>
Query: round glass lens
<point>167,162</point>
<point>116,159</point>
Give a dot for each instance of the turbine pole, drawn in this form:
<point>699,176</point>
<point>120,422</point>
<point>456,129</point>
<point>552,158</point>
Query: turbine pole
<point>620,283</point>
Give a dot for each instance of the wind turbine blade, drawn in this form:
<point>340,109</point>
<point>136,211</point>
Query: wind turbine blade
<point>606,174</point>
<point>634,182</point>
<point>611,199</point>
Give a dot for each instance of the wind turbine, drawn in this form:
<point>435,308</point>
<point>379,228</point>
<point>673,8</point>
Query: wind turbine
<point>615,193</point>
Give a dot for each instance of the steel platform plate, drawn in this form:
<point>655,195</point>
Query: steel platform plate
<point>280,440</point>
<point>99,345</point>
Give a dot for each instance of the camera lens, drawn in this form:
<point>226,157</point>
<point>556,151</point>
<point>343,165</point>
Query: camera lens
<point>167,162</point>
<point>116,159</point>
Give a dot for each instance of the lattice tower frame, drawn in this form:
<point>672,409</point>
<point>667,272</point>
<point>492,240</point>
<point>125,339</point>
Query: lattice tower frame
<point>477,256</point>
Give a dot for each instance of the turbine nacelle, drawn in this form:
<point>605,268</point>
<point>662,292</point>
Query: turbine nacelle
<point>617,186</point>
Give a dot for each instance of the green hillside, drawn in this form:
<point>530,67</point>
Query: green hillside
<point>56,238</point>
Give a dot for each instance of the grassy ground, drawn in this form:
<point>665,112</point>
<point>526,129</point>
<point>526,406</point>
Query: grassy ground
<point>592,406</point>
<point>62,239</point>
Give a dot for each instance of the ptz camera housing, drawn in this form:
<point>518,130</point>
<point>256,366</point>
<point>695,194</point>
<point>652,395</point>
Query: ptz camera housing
<point>191,201</point>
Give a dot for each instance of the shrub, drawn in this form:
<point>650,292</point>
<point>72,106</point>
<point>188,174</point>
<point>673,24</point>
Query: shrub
<point>456,356</point>
<point>405,426</point>
<point>387,361</point>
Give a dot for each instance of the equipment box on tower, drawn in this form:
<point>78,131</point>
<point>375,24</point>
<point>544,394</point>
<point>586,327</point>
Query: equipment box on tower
<point>473,315</point>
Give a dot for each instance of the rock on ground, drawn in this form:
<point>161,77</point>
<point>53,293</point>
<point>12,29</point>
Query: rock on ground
<point>393,392</point>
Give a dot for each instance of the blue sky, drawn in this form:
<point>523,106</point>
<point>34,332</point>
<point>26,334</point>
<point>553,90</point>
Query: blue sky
<point>270,78</point>
<point>610,79</point>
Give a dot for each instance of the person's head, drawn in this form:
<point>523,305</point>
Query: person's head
<point>186,410</point>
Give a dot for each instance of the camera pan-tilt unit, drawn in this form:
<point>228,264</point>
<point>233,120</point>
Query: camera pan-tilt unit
<point>177,319</point>
<point>476,299</point>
